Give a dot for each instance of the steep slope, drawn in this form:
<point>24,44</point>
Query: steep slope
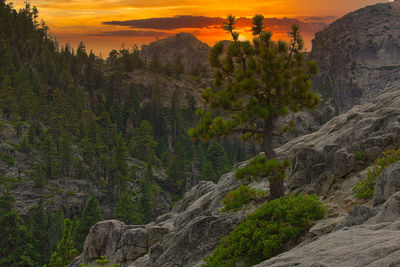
<point>358,55</point>
<point>322,162</point>
<point>323,158</point>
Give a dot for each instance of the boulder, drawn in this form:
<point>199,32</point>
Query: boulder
<point>391,209</point>
<point>358,246</point>
<point>387,183</point>
<point>120,243</point>
<point>197,239</point>
<point>357,216</point>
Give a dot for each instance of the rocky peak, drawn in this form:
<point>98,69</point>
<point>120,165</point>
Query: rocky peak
<point>184,45</point>
<point>358,55</point>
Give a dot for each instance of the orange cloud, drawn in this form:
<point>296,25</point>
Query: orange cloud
<point>77,20</point>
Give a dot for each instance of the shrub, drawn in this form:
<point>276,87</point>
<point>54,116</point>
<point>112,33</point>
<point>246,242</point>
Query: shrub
<point>360,155</point>
<point>266,231</point>
<point>260,166</point>
<point>365,187</point>
<point>7,159</point>
<point>243,195</point>
<point>102,261</point>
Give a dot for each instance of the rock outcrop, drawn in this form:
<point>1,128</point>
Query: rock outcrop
<point>186,46</point>
<point>359,246</point>
<point>182,237</point>
<point>125,243</point>
<point>358,55</point>
<point>324,162</point>
<point>322,159</point>
<point>387,183</point>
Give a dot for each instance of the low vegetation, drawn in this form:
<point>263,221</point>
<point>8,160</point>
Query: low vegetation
<point>365,187</point>
<point>243,195</point>
<point>102,262</point>
<point>260,166</point>
<point>265,232</point>
<point>7,159</point>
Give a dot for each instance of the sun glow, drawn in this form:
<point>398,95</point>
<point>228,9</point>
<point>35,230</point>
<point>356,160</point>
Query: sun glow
<point>75,20</point>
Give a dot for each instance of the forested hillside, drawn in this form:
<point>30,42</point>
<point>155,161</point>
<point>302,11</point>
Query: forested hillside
<point>68,115</point>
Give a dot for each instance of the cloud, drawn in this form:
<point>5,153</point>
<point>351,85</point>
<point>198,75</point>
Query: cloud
<point>327,19</point>
<point>170,23</point>
<point>307,24</point>
<point>131,33</point>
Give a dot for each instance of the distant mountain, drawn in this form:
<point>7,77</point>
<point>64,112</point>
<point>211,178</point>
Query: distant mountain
<point>186,46</point>
<point>358,55</point>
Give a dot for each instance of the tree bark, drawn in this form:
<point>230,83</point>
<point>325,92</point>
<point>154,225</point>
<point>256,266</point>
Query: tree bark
<point>277,188</point>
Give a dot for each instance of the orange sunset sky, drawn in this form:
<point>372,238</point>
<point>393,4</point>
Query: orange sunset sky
<point>105,24</point>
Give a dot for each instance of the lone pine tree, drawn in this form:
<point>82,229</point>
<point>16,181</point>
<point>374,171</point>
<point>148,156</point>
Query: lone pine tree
<point>255,84</point>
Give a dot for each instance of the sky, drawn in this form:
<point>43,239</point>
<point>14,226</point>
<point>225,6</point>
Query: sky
<point>104,25</point>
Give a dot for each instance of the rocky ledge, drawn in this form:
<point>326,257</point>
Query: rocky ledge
<point>182,237</point>
<point>326,162</point>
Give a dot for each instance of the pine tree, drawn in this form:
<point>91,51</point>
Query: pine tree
<point>65,249</point>
<point>217,156</point>
<point>155,64</point>
<point>119,162</point>
<point>127,210</point>
<point>41,224</point>
<point>48,156</point>
<point>16,242</point>
<point>208,172</point>
<point>178,68</point>
<point>66,154</point>
<point>142,144</point>
<point>145,196</point>
<point>91,214</point>
<point>256,83</point>
<point>8,102</point>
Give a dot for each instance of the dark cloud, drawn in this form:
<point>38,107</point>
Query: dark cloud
<point>170,23</point>
<point>132,33</point>
<point>307,24</point>
<point>328,19</point>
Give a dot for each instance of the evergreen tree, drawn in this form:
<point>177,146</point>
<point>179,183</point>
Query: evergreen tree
<point>48,155</point>
<point>155,64</point>
<point>257,83</point>
<point>178,68</point>
<point>119,167</point>
<point>127,210</point>
<point>16,242</point>
<point>208,172</point>
<point>46,228</point>
<point>142,144</point>
<point>65,249</point>
<point>66,154</point>
<point>8,104</point>
<point>145,202</point>
<point>217,156</point>
<point>91,214</point>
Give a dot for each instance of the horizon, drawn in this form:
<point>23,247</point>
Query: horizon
<point>103,26</point>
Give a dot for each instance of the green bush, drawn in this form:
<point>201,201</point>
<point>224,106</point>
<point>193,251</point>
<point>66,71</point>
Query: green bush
<point>243,195</point>
<point>260,166</point>
<point>7,159</point>
<point>360,155</point>
<point>266,231</point>
<point>365,187</point>
<point>102,261</point>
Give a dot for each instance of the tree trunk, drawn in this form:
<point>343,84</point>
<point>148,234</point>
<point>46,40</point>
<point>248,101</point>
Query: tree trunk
<point>277,188</point>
